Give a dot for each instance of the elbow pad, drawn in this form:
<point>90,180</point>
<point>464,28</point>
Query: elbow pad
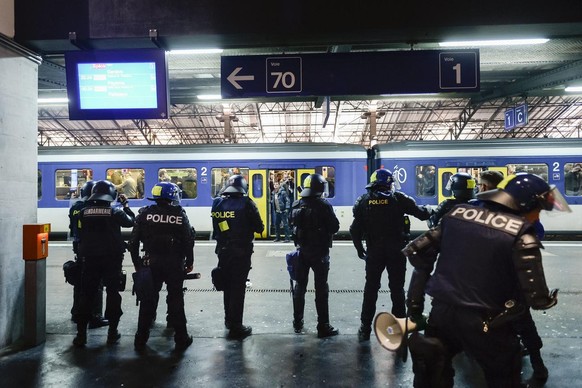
<point>527,260</point>
<point>422,250</point>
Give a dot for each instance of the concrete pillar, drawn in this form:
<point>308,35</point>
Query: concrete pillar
<point>18,181</point>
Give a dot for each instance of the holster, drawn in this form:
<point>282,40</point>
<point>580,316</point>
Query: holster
<point>143,284</point>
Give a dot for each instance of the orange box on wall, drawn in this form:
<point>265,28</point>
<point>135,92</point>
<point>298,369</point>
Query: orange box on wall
<point>35,241</point>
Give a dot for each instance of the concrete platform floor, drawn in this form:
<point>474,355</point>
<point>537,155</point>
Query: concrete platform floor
<point>273,356</point>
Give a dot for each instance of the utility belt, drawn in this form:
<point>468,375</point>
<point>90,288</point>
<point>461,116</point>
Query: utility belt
<point>512,312</point>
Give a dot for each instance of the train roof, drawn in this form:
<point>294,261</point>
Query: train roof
<point>203,151</point>
<point>488,147</point>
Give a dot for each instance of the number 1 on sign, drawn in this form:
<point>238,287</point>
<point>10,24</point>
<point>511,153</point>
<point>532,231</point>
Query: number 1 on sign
<point>457,69</point>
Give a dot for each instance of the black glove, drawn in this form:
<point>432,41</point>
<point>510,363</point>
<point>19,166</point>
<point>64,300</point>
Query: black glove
<point>547,302</point>
<point>362,254</point>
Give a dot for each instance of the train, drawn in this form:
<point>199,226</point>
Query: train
<point>421,169</point>
<point>201,171</point>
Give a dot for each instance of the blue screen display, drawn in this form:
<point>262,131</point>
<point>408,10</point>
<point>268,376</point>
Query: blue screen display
<point>117,85</point>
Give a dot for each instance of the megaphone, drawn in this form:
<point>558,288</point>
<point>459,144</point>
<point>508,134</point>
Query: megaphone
<point>390,331</point>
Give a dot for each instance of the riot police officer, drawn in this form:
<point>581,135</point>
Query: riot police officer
<point>380,219</point>
<point>489,266</point>
<point>235,220</point>
<point>168,245</point>
<point>314,224</point>
<point>97,319</point>
<point>462,185</point>
<point>101,249</point>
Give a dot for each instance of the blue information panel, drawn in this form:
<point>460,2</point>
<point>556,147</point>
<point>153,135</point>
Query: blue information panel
<point>509,119</point>
<point>521,115</point>
<point>350,74</point>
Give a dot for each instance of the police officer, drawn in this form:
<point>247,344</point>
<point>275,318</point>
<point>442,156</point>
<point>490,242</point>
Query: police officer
<point>314,224</point>
<point>489,263</point>
<point>168,245</point>
<point>463,187</point>
<point>97,319</point>
<point>380,219</point>
<point>101,249</point>
<point>235,220</point>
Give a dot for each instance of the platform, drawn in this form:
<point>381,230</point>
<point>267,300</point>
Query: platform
<point>274,356</point>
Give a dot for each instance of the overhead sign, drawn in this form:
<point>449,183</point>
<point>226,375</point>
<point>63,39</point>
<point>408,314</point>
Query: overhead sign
<point>515,117</point>
<point>350,74</point>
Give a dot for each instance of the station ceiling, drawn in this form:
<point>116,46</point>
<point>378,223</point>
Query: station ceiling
<point>510,76</point>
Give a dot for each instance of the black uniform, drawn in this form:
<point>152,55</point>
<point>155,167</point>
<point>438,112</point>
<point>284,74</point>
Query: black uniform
<point>379,219</point>
<point>101,248</point>
<point>443,208</point>
<point>168,245</point>
<point>314,224</point>
<point>485,256</point>
<point>97,311</point>
<point>235,220</point>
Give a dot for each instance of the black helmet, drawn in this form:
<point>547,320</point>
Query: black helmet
<point>314,185</point>
<point>524,192</point>
<point>462,185</point>
<point>86,189</point>
<point>236,184</point>
<point>381,177</point>
<point>103,191</point>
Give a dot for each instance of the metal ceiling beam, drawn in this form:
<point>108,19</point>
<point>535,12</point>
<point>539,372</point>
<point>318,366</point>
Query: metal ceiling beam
<point>552,78</point>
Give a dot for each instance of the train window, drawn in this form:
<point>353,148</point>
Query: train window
<point>257,186</point>
<point>185,178</point>
<point>573,178</point>
<point>328,173</point>
<point>39,185</point>
<point>538,169</point>
<point>68,182</point>
<point>219,177</point>
<point>425,180</point>
<point>128,181</point>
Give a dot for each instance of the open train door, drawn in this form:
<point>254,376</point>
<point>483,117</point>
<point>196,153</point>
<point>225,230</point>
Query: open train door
<point>444,174</point>
<point>258,192</point>
<point>302,173</point>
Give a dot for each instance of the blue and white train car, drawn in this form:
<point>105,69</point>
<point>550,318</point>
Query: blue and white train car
<point>201,171</point>
<point>423,169</point>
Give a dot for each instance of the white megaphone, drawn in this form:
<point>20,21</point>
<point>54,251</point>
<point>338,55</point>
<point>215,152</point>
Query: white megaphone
<point>390,330</point>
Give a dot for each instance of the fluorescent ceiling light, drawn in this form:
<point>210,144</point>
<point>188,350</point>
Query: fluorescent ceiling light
<point>196,51</point>
<point>209,97</point>
<point>55,100</point>
<point>573,89</point>
<point>502,42</point>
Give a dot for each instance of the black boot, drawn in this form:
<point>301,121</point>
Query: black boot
<point>140,341</point>
<point>540,372</point>
<point>98,321</point>
<point>364,332</point>
<point>113,335</point>
<point>298,326</point>
<point>326,330</point>
<point>239,332</point>
<point>81,339</point>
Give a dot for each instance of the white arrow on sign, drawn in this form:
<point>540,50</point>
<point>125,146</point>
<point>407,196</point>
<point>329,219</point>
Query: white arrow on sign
<point>233,78</point>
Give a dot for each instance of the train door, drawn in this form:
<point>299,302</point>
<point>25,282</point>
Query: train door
<point>302,173</point>
<point>258,192</point>
<point>287,179</point>
<point>502,170</point>
<point>444,174</point>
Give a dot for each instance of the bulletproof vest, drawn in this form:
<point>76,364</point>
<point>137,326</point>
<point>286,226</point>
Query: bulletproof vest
<point>383,218</point>
<point>74,217</point>
<point>164,229</point>
<point>308,218</point>
<point>100,234</point>
<point>475,267</point>
<point>230,217</point>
